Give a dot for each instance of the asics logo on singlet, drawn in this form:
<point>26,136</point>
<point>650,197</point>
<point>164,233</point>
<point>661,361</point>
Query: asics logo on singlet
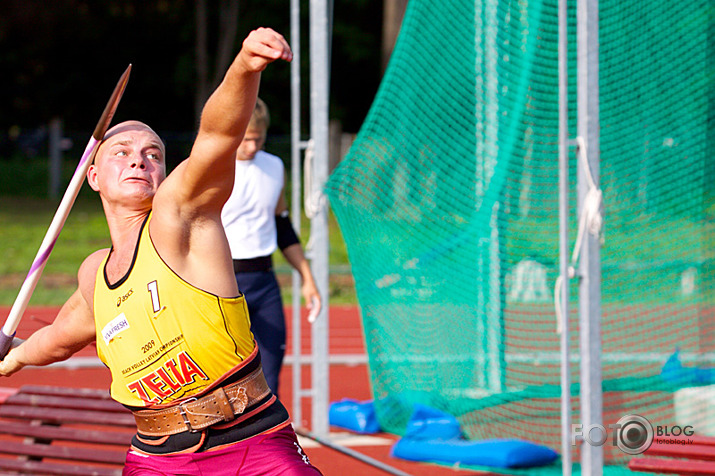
<point>121,299</point>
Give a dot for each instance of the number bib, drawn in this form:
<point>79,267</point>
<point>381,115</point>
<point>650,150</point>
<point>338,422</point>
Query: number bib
<point>162,338</point>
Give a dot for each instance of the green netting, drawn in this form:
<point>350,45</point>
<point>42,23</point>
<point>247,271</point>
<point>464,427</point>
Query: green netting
<point>448,203</point>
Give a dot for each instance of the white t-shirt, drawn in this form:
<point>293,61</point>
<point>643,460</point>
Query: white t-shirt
<point>249,214</point>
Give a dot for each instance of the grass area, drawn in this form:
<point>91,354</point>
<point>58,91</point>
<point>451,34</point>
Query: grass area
<point>24,222</point>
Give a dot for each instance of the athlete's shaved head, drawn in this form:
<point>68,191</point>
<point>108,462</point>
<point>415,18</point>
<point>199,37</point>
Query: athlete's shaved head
<point>127,126</point>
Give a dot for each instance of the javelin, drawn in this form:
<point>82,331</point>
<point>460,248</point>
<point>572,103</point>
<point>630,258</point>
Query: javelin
<point>53,232</point>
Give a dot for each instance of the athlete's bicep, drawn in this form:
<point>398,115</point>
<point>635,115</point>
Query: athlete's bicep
<point>282,205</point>
<point>74,324</point>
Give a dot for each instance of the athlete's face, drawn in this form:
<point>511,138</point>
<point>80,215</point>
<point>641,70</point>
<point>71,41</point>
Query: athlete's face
<point>129,164</point>
<point>252,142</point>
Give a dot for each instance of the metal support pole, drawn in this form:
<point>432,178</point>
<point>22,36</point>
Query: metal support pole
<point>566,458</point>
<point>352,453</point>
<point>589,263</point>
<point>295,151</point>
<point>319,88</point>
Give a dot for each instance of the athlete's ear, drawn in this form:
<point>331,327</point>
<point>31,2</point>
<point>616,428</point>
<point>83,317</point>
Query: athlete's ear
<point>92,177</point>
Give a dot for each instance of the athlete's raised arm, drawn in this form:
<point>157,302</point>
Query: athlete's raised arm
<point>205,180</point>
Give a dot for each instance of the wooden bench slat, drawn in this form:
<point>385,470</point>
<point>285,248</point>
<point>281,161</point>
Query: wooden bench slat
<point>66,434</point>
<point>75,450</point>
<point>76,403</point>
<point>65,391</point>
<point>58,415</point>
<point>37,468</point>
<point>63,452</point>
<point>696,452</point>
<point>682,467</point>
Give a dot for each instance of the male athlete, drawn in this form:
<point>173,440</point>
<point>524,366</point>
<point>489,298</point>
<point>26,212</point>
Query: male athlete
<point>163,304</point>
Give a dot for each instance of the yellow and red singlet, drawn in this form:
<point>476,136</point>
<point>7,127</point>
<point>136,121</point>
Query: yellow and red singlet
<point>162,338</point>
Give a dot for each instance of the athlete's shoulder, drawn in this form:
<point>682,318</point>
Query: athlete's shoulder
<point>87,275</point>
<point>91,263</point>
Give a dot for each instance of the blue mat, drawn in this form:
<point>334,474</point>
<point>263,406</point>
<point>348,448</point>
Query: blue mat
<point>495,453</point>
<point>675,373</point>
<point>436,436</point>
<point>355,416</point>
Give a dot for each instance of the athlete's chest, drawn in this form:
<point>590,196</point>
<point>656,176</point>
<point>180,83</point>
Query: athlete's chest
<point>118,266</point>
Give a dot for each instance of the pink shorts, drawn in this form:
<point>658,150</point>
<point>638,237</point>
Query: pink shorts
<point>276,453</point>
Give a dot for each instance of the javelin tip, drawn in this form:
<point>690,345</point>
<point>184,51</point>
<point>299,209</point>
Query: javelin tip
<point>111,107</point>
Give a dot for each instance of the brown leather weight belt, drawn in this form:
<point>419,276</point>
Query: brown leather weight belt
<point>195,414</point>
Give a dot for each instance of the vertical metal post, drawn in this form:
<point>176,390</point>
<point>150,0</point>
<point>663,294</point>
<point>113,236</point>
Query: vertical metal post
<point>319,223</point>
<point>486,18</point>
<point>295,150</point>
<point>589,264</point>
<point>566,458</point>
<point>489,322</point>
<point>496,364</point>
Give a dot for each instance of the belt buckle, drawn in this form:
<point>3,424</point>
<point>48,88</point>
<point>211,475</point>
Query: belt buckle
<point>241,400</point>
<point>182,412</point>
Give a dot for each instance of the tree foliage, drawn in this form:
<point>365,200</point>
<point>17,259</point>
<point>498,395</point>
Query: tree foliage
<point>62,58</point>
